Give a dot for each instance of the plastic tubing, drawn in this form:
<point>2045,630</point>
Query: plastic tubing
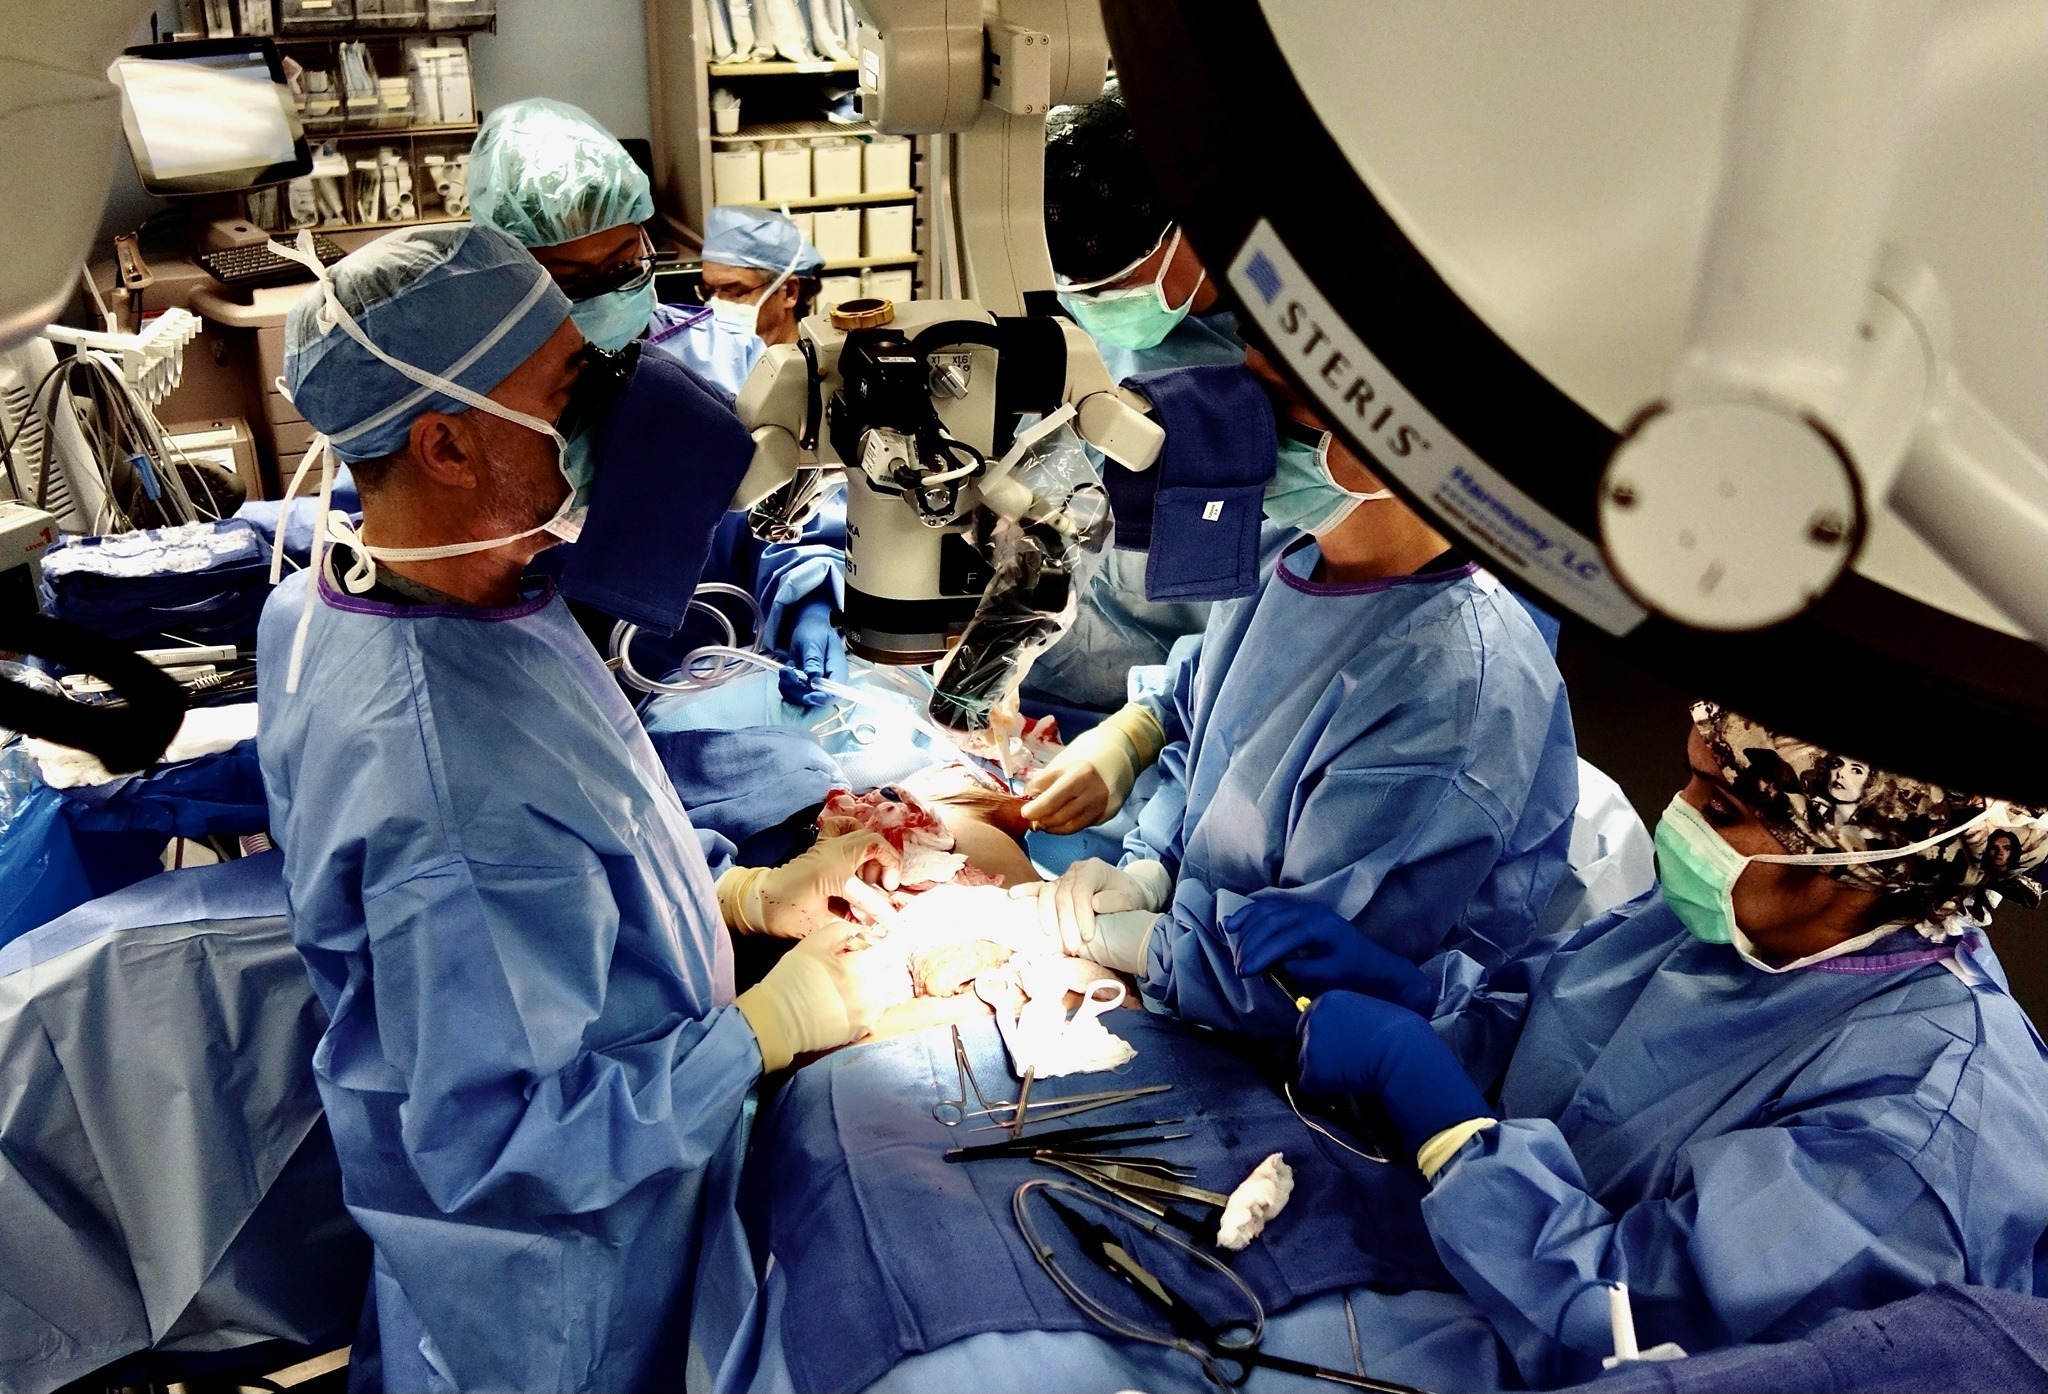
<point>623,634</point>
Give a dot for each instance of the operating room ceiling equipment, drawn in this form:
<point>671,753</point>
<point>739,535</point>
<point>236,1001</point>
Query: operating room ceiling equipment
<point>60,123</point>
<point>1719,328</point>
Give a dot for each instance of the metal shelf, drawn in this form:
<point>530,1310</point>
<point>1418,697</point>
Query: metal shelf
<point>795,130</point>
<point>456,128</point>
<point>864,263</point>
<point>840,200</point>
<point>354,35</point>
<point>779,66</point>
<point>380,226</point>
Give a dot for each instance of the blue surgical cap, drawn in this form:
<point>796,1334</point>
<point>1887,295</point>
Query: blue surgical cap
<point>463,302</point>
<point>547,173</point>
<point>735,236</point>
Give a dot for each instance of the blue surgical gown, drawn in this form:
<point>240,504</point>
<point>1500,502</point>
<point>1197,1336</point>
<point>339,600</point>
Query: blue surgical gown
<point>533,1071</point>
<point>1751,1153</point>
<point>1397,750</point>
<point>1115,627</point>
<point>717,350</point>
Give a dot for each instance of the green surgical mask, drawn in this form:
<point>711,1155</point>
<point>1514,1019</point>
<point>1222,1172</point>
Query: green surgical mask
<point>1304,495</point>
<point>616,318</point>
<point>1132,317</point>
<point>1697,871</point>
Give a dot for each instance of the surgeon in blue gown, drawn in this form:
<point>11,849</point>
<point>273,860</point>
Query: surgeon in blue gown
<point>1128,277</point>
<point>1378,741</point>
<point>547,174</point>
<point>1762,1095</point>
<point>1788,1083</point>
<point>535,1069</point>
<point>759,271</point>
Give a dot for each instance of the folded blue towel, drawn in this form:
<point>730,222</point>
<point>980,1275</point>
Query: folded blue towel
<point>1208,489</point>
<point>669,458</point>
<point>746,783</point>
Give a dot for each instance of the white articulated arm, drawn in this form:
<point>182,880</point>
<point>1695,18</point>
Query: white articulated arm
<point>1113,419</point>
<point>771,405</point>
<point>1814,385</point>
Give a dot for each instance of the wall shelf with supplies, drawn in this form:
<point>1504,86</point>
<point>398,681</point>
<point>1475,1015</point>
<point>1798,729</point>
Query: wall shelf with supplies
<point>390,116</point>
<point>769,140</point>
<point>779,66</point>
<point>794,130</point>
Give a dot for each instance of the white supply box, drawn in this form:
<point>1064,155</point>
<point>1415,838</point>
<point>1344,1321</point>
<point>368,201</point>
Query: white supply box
<point>835,170</point>
<point>804,227</point>
<point>886,164</point>
<point>785,173</point>
<point>834,289</point>
<point>889,230</point>
<point>835,232</point>
<point>898,286</point>
<point>736,176</point>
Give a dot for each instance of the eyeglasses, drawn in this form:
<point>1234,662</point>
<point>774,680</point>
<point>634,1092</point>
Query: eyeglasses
<point>704,294</point>
<point>627,275</point>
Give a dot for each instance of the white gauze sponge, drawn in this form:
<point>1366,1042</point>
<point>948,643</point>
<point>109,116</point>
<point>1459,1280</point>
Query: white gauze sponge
<point>1262,1195</point>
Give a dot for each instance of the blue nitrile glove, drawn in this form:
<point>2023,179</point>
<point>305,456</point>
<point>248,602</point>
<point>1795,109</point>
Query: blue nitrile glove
<point>816,647</point>
<point>1354,1044</point>
<point>1321,951</point>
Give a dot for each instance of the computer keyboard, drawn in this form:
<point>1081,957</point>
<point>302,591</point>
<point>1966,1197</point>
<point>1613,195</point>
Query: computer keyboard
<point>259,266</point>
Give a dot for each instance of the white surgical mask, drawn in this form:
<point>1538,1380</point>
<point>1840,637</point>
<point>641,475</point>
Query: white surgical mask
<point>745,315</point>
<point>565,523</point>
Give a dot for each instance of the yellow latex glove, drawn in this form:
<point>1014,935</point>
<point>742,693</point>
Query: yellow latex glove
<point>824,993</point>
<point>789,901</point>
<point>1088,781</point>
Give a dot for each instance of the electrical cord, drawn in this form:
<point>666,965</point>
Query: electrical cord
<point>117,426</point>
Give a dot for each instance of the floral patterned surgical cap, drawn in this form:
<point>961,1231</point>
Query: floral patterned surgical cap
<point>1814,800</point>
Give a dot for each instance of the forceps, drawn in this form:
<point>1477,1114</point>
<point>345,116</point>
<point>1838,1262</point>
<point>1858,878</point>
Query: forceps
<point>953,1112</point>
<point>837,722</point>
<point>1068,1107</point>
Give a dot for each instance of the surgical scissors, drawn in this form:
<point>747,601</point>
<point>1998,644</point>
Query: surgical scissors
<point>1098,1100</point>
<point>837,722</point>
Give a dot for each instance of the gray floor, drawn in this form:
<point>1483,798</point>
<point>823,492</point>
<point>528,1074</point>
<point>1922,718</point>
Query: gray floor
<point>1632,725</point>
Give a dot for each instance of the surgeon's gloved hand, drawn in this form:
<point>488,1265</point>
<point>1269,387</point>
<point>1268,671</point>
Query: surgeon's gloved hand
<point>1354,1044</point>
<point>791,900</point>
<point>1092,889</point>
<point>1088,781</point>
<point>1321,951</point>
<point>824,992</point>
<point>817,648</point>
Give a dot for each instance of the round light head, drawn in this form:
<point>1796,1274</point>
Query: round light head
<point>1729,516</point>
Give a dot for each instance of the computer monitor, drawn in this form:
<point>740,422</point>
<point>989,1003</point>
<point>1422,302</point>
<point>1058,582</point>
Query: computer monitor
<point>210,116</point>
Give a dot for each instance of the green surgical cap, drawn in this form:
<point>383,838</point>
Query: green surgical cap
<point>545,172</point>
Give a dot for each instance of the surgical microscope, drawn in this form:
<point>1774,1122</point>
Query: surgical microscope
<point>921,404</point>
